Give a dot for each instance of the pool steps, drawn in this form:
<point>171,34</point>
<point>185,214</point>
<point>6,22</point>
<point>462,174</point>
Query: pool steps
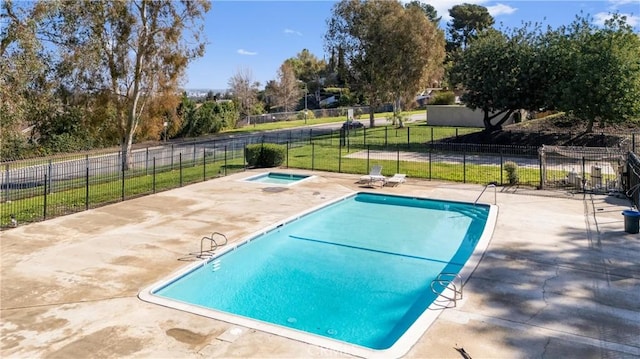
<point>213,244</point>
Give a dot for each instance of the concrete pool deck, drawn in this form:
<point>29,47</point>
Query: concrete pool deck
<point>560,277</point>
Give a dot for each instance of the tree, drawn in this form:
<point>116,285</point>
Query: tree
<point>501,73</point>
<point>287,90</point>
<point>467,20</point>
<point>309,69</point>
<point>26,92</point>
<point>596,70</point>
<point>244,90</point>
<point>127,51</point>
<point>389,52</point>
<point>428,10</point>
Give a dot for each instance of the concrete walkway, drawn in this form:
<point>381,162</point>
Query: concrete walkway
<point>560,278</point>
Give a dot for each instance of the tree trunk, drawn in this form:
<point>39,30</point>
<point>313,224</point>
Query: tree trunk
<point>372,120</point>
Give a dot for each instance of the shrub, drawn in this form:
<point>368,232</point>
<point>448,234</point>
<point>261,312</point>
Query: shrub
<point>443,98</point>
<point>310,115</point>
<point>512,172</point>
<point>265,155</point>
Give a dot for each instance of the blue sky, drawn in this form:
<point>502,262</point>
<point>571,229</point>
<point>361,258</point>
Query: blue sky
<point>259,35</point>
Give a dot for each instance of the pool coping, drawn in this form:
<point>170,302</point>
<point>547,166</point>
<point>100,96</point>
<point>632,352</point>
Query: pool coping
<point>402,345</point>
<point>257,175</point>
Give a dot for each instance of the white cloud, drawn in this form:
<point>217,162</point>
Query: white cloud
<point>245,52</point>
<point>500,9</point>
<point>601,17</point>
<point>616,3</point>
<point>293,32</point>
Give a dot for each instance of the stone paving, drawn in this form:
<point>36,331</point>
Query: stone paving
<point>560,278</point>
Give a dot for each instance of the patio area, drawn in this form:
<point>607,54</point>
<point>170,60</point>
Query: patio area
<point>560,277</point>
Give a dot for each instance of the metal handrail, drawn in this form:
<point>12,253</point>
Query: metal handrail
<point>212,243</point>
<point>495,193</point>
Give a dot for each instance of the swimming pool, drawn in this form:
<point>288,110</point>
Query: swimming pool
<point>277,178</point>
<point>355,275</point>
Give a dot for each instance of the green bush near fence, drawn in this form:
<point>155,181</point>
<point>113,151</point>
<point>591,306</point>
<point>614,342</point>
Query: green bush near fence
<point>265,155</point>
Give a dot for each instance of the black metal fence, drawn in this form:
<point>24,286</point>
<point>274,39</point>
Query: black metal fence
<point>38,189</point>
<point>633,175</point>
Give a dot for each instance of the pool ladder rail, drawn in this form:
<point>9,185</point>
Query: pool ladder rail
<point>448,287</point>
<point>213,244</point>
<point>495,195</point>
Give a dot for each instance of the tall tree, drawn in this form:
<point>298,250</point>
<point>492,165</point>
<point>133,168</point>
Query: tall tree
<point>389,52</point>
<point>309,69</point>
<point>26,92</point>
<point>129,51</point>
<point>501,73</point>
<point>597,71</point>
<point>428,10</point>
<point>287,89</point>
<point>467,20</point>
<point>245,91</point>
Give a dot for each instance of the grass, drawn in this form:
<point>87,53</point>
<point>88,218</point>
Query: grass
<point>323,154</point>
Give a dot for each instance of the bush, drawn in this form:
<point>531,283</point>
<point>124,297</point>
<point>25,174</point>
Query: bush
<point>443,98</point>
<point>265,155</point>
<point>310,115</point>
<point>512,172</point>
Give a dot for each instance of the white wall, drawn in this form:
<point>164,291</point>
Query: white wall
<point>455,115</point>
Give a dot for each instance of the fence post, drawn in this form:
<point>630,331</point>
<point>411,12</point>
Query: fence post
<point>408,137</point>
<point>180,169</point>
<point>122,171</point>
<point>633,142</point>
<point>397,159</point>
<point>464,164</point>
<point>431,135</point>
<point>430,151</point>
<point>339,159</point>
<point>172,156</point>
<point>44,201</point>
<point>368,157</point>
<point>542,167</point>
<point>225,160</point>
<point>49,172</point>
<point>286,155</point>
<point>204,164</point>
<point>501,168</point>
<point>146,162</point>
<point>194,152</point>
<point>86,186</point>
<point>313,156</point>
<point>6,182</point>
<point>154,174</point>
<point>584,178</point>
<point>311,135</point>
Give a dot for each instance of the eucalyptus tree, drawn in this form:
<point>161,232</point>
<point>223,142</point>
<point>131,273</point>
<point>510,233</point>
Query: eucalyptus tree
<point>26,92</point>
<point>389,51</point>
<point>128,51</point>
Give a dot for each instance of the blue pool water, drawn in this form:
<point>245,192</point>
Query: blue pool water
<point>277,178</point>
<point>357,271</point>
